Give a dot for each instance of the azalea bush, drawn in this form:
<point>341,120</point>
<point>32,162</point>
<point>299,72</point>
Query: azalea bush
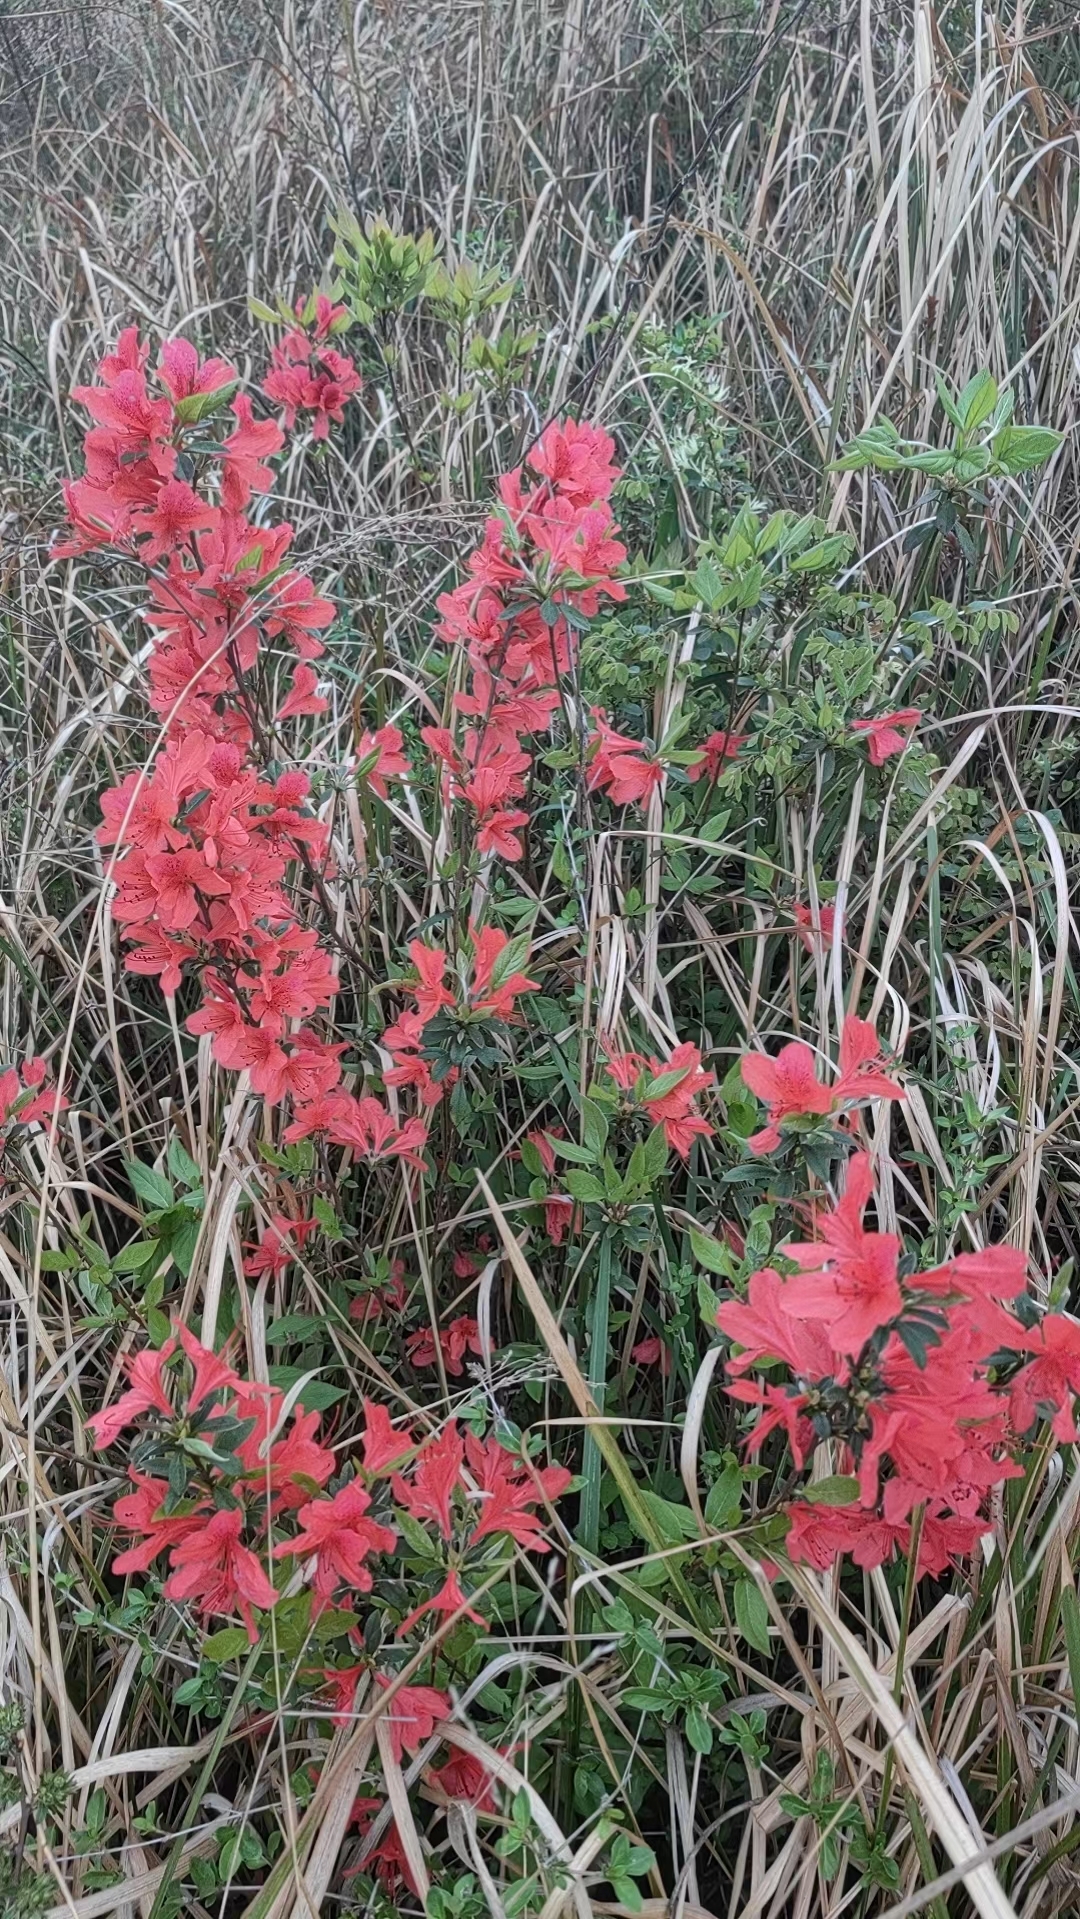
<point>542,1368</point>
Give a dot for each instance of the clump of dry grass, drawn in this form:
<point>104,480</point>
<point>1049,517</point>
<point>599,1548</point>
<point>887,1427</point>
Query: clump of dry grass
<point>897,193</point>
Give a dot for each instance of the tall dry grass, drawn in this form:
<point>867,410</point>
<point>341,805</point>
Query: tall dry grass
<point>895,192</point>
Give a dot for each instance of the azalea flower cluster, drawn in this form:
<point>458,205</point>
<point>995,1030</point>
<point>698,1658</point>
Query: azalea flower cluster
<point>547,559</point>
<point>793,1093</point>
<point>307,375</point>
<point>25,1097</point>
<point>205,845</point>
<point>228,1482</point>
<point>916,1380</point>
<point>488,989</point>
<point>666,1090</point>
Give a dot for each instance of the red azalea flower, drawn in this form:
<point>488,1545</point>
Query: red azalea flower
<point>412,1715</point>
<point>428,1492</point>
<point>222,1576</point>
<point>714,751</point>
<point>147,1394</point>
<point>340,1536</point>
<point>885,735</point>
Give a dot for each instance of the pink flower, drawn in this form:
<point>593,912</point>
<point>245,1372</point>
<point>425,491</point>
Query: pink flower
<point>714,751</point>
<point>427,1495</point>
<point>886,734</point>
<point>625,1068</point>
<point>849,1277</point>
<point>140,1512</point>
<point>819,1535</point>
<point>1051,1378</point>
<point>388,1860</point>
<point>340,1535</point>
<point>383,1443</point>
<point>381,757</point>
<point>652,1352</point>
<point>304,698</point>
<point>577,461</point>
<point>767,1325</point>
<point>790,1088</point>
<point>448,1599</point>
<point>779,1407</point>
<point>243,455</point>
<point>463,1777</point>
<point>147,1394</point>
<point>491,991</point>
<point>341,1682</point>
<point>211,1375</point>
<point>672,1107</point>
<point>45,1102</point>
<point>788,1085</point>
<point>460,1337</point>
<point>811,934</point>
<point>622,765</point>
<point>221,1575</point>
<point>499,832</point>
<point>412,1715</point>
<point>509,1493</point>
<point>175,515</point>
<point>183,374</point>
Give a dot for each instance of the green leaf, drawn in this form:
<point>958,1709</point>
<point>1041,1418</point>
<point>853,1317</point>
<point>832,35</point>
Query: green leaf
<point>595,1127</point>
<point>57,1262</point>
<point>1019,448</point>
<point>827,553</point>
<point>262,312</point>
<point>584,1186</point>
<point>157,1325</point>
<point>978,400</point>
<point>645,1698</point>
<point>1070,1620</point>
<point>714,827</point>
<point>699,1733</point>
<point>838,1489</point>
<point>328,1219</point>
<point>708,1304</point>
<point>752,1614</point>
<point>706,582</point>
<point>293,1326</point>
<point>724,1503</point>
<point>948,402</point>
<point>674,1524</point>
<point>569,1149</point>
<point>130,1258</point>
<point>513,959</point>
<point>414,1535</point>
<point>936,462</point>
<point>196,406</point>
<point>231,1643</point>
<point>709,1252</point>
<point>316,1396</point>
<point>531,1160</point>
<point>664,1083</point>
<point>971,464</point>
<point>637,1173</point>
<point>334,1625</point>
<point>151,1187</point>
<point>878,447</point>
<point>181,1164</point>
<point>656,1153</point>
<point>181,1240</point>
